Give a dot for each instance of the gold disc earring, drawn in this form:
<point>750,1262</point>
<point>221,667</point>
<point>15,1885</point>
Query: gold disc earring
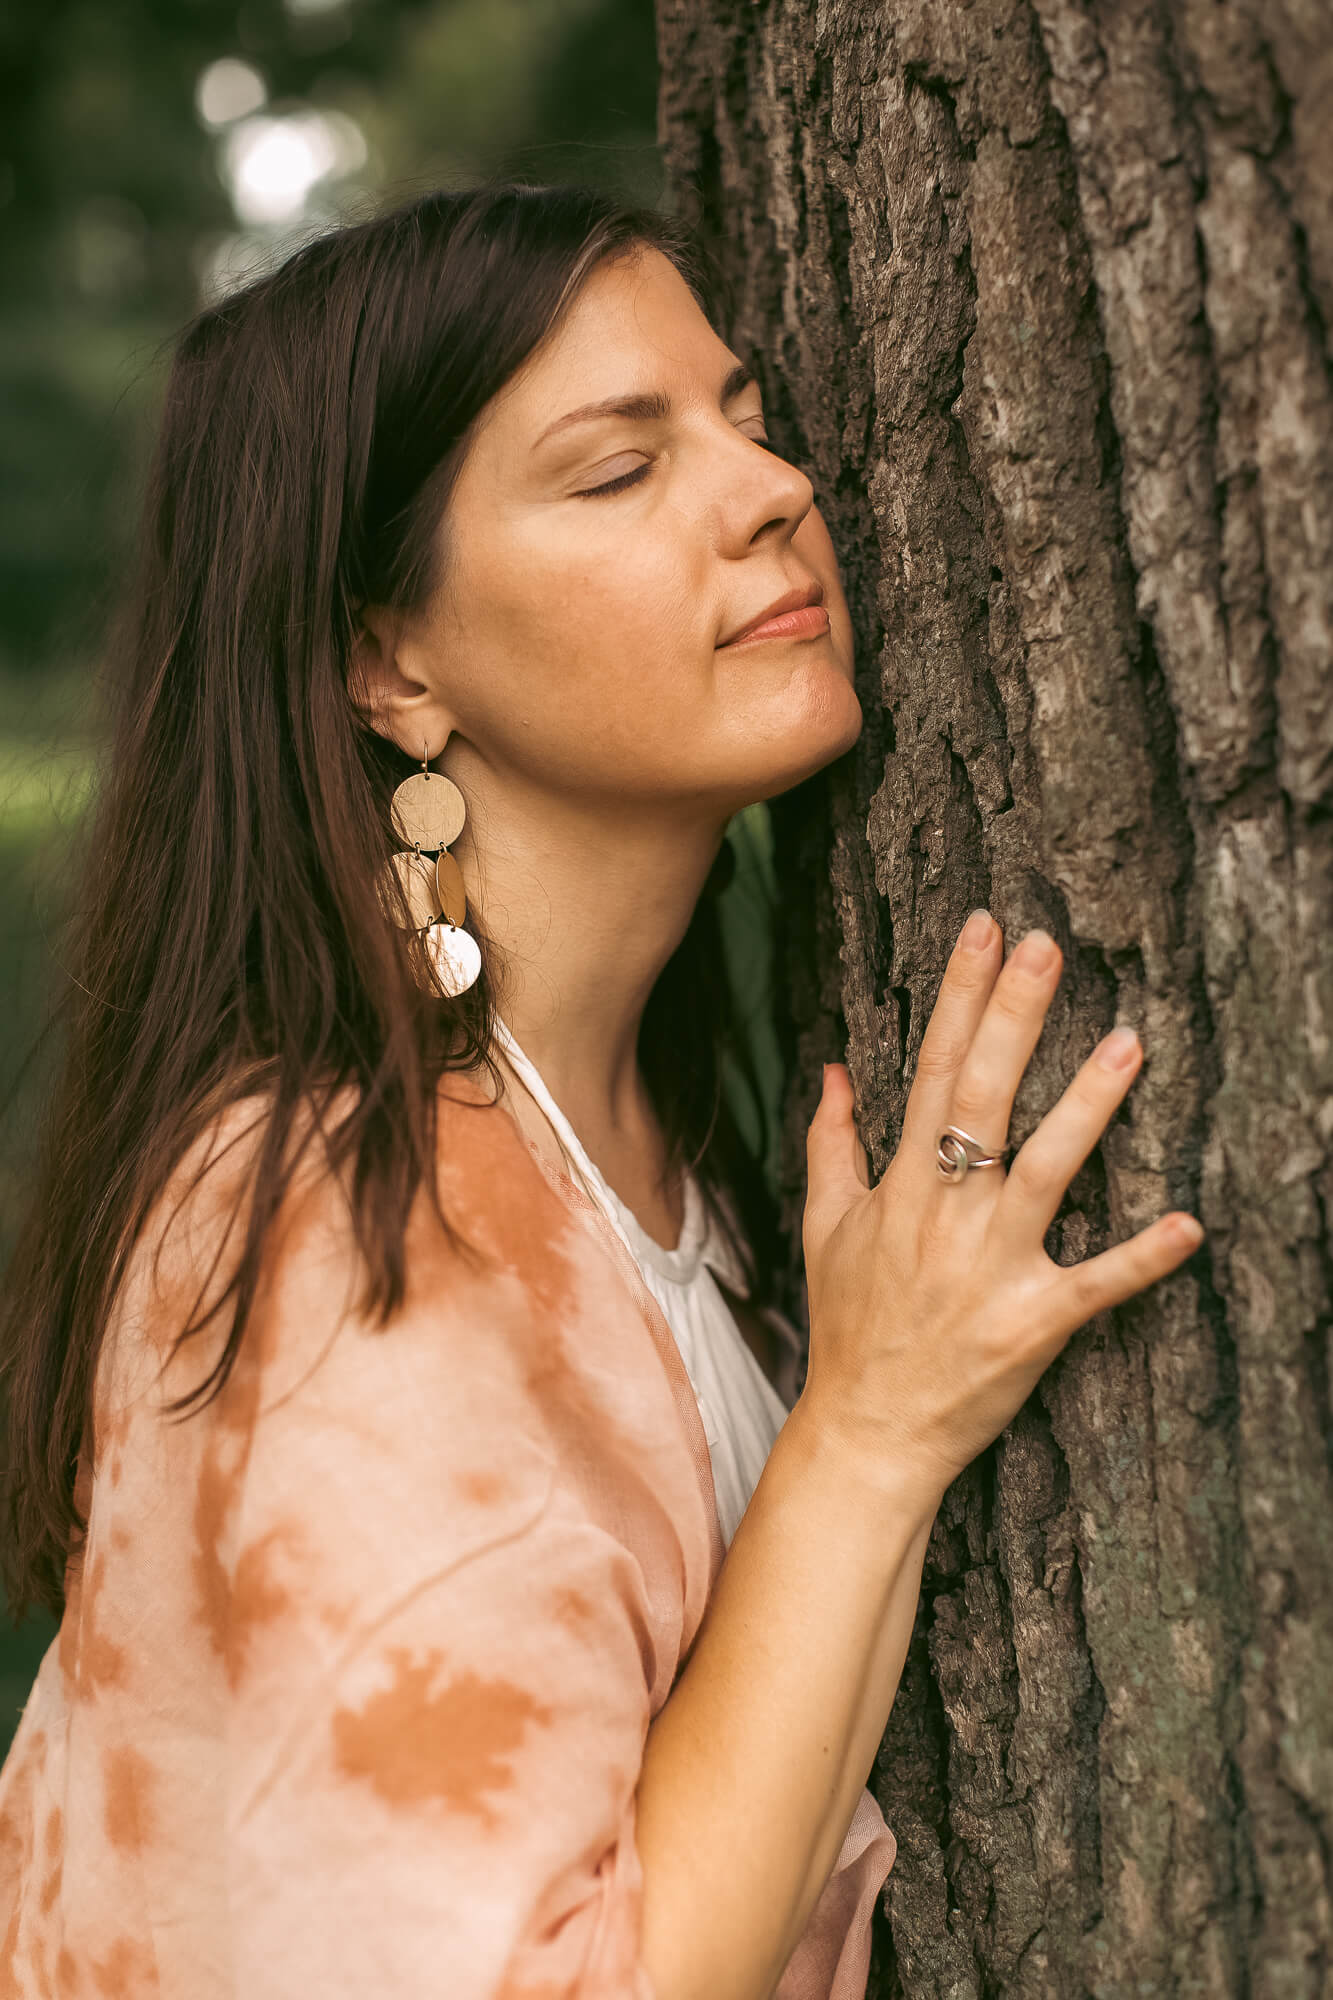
<point>427,814</point>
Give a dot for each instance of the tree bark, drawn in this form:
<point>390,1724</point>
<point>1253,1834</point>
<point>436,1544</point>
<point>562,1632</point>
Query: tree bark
<point>1040,297</point>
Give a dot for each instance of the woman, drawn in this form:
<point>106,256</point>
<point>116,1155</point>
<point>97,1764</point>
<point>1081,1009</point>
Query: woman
<point>383,1460</point>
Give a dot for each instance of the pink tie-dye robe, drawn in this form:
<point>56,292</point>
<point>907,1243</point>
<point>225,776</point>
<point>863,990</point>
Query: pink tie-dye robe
<point>351,1691</point>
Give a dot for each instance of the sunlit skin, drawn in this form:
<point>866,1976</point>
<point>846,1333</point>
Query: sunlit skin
<point>569,677</point>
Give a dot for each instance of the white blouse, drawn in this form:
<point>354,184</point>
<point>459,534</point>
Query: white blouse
<point>741,1411</point>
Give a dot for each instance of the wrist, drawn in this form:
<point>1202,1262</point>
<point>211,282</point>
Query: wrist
<point>908,1486</point>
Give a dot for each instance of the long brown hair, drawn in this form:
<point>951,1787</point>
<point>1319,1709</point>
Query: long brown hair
<point>233,940</point>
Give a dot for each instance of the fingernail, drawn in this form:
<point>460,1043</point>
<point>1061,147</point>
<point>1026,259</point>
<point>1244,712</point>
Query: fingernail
<point>1190,1230</point>
<point>1037,951</point>
<point>976,932</point>
<point>1118,1049</point>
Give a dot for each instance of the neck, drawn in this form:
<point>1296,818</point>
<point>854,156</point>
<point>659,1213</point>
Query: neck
<point>585,902</point>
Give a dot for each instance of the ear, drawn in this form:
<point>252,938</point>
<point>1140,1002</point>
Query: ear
<point>392,684</point>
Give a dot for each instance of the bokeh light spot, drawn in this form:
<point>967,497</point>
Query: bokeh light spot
<point>271,164</point>
<point>228,90</point>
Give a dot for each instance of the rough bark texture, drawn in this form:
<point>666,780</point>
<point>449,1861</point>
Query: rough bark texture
<point>1040,295</point>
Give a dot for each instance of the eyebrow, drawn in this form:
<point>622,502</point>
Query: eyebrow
<point>650,407</point>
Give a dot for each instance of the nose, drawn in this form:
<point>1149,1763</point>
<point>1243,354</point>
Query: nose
<point>755,491</point>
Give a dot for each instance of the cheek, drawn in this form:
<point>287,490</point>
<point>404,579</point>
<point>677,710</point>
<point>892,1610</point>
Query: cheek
<point>610,581</point>
<point>576,658</point>
<point>586,583</point>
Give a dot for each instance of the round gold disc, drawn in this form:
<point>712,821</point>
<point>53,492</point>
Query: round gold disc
<point>449,888</point>
<point>417,879</point>
<point>456,957</point>
<point>427,810</point>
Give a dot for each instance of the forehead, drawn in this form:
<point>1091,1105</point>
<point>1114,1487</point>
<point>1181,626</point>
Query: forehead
<point>635,326</point>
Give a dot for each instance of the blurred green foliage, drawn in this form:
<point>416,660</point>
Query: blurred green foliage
<point>112,198</point>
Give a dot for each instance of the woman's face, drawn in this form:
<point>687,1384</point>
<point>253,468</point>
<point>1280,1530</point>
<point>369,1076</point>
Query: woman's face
<point>579,640</point>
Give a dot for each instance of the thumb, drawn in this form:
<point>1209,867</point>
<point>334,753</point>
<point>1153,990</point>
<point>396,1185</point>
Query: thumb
<point>836,1171</point>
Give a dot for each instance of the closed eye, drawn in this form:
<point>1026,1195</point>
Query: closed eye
<point>616,485</point>
<point>625,479</point>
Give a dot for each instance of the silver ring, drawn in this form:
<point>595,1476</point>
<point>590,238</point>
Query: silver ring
<point>956,1151</point>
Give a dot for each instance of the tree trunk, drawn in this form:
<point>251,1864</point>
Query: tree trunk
<point>1040,297</point>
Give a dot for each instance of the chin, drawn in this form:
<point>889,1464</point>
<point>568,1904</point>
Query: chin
<point>830,718</point>
<point>822,729</point>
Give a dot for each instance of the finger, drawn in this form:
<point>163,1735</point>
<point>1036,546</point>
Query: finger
<point>835,1159</point>
<point>1044,1165</point>
<point>1008,1032</point>
<point>961,1002</point>
<point>1118,1273</point>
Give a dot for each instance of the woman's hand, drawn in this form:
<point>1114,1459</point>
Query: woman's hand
<point>933,1305</point>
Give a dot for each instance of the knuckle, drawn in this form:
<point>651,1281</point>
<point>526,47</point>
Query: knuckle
<point>1018,998</point>
<point>973,1098</point>
<point>938,1059</point>
<point>972,971</point>
<point>1084,1098</point>
<point>1083,1113</point>
<point>1095,1090</point>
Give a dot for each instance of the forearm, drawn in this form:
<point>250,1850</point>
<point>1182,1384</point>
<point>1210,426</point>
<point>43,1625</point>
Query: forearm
<point>753,1768</point>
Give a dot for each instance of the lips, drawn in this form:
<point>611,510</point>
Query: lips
<point>792,600</point>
